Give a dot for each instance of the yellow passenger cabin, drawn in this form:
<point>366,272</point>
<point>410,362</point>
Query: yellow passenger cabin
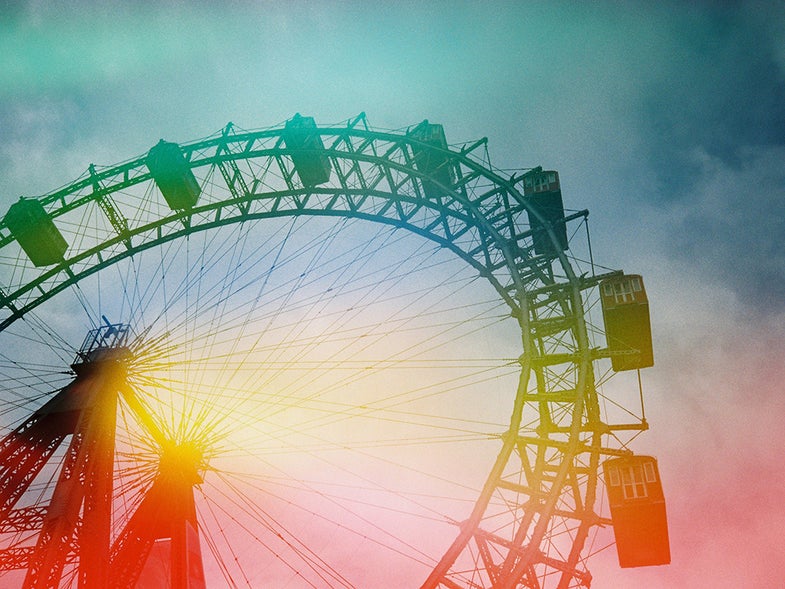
<point>625,310</point>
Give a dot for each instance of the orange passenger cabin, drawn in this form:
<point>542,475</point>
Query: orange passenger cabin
<point>542,191</point>
<point>637,507</point>
<point>433,163</point>
<point>36,233</point>
<point>625,309</point>
<point>308,154</point>
<point>173,176</point>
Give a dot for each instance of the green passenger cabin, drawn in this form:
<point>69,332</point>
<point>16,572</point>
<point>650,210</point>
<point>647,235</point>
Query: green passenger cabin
<point>173,176</point>
<point>431,159</point>
<point>308,154</point>
<point>36,233</point>
<point>542,191</point>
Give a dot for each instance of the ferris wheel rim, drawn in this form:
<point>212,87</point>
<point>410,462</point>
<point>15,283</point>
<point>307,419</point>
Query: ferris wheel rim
<point>513,292</point>
<point>134,171</point>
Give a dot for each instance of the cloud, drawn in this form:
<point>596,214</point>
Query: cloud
<point>705,137</point>
<point>717,408</point>
<point>720,90</point>
<point>730,230</point>
<point>38,138</point>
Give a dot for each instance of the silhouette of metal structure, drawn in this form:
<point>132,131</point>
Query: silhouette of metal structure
<point>541,500</point>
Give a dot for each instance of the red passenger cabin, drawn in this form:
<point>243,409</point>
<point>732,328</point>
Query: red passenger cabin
<point>625,310</point>
<point>542,190</point>
<point>637,508</point>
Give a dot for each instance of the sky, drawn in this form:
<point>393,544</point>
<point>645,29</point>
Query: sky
<point>666,121</point>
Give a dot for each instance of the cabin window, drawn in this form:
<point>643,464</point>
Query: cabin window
<point>613,475</point>
<point>623,292</point>
<point>633,483</point>
<point>636,284</point>
<point>607,289</point>
<point>648,471</point>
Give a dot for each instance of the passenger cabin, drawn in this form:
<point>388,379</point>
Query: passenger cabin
<point>625,310</point>
<point>637,506</point>
<point>543,193</point>
<point>310,159</point>
<point>173,175</point>
<point>36,233</point>
<point>432,163</point>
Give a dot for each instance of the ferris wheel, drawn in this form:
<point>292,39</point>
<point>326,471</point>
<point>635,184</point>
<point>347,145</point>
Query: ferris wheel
<point>317,356</point>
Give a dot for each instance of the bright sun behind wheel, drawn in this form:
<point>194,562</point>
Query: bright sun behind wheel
<point>334,393</point>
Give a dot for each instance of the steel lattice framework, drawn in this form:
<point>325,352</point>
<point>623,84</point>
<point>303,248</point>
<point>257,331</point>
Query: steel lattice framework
<point>546,473</point>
